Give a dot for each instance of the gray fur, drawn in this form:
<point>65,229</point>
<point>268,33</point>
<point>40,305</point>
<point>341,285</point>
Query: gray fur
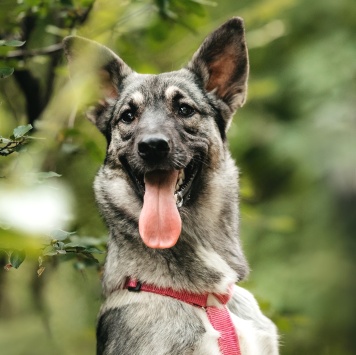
<point>208,256</point>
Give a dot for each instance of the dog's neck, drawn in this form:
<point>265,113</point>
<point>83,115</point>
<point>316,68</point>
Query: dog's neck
<point>207,256</point>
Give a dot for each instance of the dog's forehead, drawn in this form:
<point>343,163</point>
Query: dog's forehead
<point>143,88</point>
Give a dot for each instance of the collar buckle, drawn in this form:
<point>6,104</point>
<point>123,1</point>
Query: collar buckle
<point>136,288</point>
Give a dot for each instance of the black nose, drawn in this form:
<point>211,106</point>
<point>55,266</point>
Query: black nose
<point>153,147</point>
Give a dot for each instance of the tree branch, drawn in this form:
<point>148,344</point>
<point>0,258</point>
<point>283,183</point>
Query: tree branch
<point>23,53</point>
<point>31,88</point>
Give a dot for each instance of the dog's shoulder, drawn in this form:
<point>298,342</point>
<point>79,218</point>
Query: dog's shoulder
<point>252,326</point>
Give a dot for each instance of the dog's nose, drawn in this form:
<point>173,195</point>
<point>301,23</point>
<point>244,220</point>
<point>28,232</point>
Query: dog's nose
<point>153,147</point>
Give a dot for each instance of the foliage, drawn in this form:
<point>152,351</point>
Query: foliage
<point>16,142</point>
<point>69,245</point>
<point>5,71</point>
<point>59,243</point>
<point>293,142</point>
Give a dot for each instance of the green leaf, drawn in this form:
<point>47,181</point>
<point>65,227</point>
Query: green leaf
<point>12,43</point>
<point>74,245</point>
<point>90,257</point>
<point>17,257</point>
<point>87,241</point>
<point>93,250</point>
<point>67,257</point>
<point>21,147</point>
<point>49,251</point>
<point>20,131</point>
<point>6,72</point>
<point>58,234</point>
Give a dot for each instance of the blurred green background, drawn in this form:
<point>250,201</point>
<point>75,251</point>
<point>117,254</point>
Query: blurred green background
<point>294,142</point>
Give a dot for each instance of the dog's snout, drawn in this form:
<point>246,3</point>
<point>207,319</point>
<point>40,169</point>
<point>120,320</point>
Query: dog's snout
<point>154,147</point>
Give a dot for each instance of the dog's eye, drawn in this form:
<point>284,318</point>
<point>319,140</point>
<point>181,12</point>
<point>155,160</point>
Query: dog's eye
<point>186,110</point>
<point>127,116</point>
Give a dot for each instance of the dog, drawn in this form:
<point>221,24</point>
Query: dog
<point>168,192</point>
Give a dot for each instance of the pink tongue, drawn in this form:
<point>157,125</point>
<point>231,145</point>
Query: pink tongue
<point>160,223</point>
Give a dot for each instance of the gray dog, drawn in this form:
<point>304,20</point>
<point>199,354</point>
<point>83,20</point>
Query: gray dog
<point>168,191</point>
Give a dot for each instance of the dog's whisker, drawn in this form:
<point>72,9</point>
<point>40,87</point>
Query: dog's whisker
<point>199,159</point>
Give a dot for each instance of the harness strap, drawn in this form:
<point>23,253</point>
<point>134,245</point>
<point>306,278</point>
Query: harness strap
<point>219,317</point>
<point>221,321</point>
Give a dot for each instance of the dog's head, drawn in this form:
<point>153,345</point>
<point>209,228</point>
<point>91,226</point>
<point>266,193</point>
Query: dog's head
<point>166,131</point>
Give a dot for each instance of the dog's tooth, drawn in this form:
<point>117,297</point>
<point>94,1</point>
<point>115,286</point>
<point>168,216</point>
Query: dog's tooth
<point>181,172</point>
<point>180,181</point>
<point>182,175</point>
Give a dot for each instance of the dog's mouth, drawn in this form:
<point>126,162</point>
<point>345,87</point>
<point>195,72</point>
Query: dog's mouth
<point>183,184</point>
<point>163,193</point>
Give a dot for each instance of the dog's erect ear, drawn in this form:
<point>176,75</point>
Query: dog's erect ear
<point>89,58</point>
<point>222,63</point>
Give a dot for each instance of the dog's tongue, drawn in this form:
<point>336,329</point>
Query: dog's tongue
<point>160,223</point>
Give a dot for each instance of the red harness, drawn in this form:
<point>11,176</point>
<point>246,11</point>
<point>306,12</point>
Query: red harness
<point>219,317</point>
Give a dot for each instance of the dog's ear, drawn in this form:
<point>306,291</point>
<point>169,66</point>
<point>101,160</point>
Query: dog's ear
<point>222,63</point>
<point>87,58</point>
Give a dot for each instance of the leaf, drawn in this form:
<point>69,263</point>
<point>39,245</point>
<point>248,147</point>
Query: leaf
<point>47,175</point>
<point>60,245</point>
<point>59,234</point>
<point>67,256</point>
<point>87,241</point>
<point>12,43</point>
<point>74,245</point>
<point>40,177</point>
<point>40,270</point>
<point>17,257</point>
<point>50,253</point>
<point>20,148</point>
<point>90,257</point>
<point>20,131</point>
<point>48,250</point>
<point>5,152</point>
<point>6,72</point>
<point>94,250</point>
<point>5,140</point>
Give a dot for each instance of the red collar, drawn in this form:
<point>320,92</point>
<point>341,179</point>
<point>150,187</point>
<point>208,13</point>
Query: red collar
<point>219,317</point>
